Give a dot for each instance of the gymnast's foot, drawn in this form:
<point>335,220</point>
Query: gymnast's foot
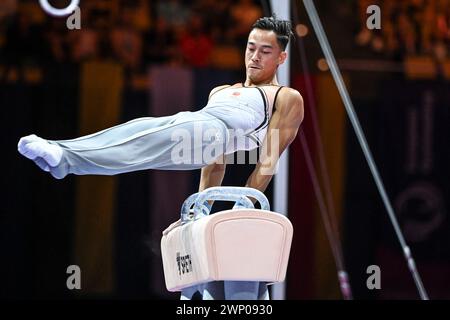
<point>45,155</point>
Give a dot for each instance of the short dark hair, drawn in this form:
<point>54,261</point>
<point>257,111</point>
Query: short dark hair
<point>283,28</point>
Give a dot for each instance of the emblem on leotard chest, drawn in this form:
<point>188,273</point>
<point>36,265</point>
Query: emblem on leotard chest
<point>236,93</point>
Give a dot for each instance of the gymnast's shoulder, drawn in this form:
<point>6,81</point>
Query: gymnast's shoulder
<point>290,97</point>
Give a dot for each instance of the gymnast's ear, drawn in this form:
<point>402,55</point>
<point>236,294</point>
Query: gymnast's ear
<point>282,57</point>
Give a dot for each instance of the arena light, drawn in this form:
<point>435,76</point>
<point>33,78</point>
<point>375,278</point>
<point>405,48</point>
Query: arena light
<point>59,12</point>
<point>301,30</point>
<point>322,64</point>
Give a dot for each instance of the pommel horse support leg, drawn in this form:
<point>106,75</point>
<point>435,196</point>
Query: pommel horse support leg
<point>230,255</point>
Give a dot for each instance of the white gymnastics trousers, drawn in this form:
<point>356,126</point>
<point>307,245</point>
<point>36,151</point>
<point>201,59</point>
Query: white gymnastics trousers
<point>184,141</point>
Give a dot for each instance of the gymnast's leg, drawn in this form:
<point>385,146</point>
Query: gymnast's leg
<point>227,290</point>
<point>143,143</point>
<point>246,290</point>
<point>213,290</point>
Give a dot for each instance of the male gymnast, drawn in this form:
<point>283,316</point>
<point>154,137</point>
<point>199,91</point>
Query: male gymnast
<point>258,112</point>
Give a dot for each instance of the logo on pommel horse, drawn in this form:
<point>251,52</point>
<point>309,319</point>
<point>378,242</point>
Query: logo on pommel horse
<point>184,263</point>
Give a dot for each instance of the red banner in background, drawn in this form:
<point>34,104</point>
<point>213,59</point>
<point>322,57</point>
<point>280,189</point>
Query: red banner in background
<point>301,207</point>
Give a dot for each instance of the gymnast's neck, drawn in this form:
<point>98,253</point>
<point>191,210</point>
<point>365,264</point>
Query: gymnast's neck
<point>273,81</point>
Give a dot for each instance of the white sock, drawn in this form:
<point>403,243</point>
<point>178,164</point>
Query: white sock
<point>34,147</point>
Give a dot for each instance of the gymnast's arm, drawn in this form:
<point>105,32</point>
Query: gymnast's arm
<point>285,121</point>
<point>212,175</point>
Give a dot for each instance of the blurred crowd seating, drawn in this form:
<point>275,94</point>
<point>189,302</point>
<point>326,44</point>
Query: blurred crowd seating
<point>408,28</point>
<point>135,33</point>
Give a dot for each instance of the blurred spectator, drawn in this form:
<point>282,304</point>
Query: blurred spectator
<point>366,36</point>
<point>160,43</point>
<point>7,9</point>
<point>244,14</point>
<point>23,41</point>
<point>218,20</point>
<point>126,40</point>
<point>84,42</point>
<point>388,29</point>
<point>56,36</point>
<point>174,12</point>
<point>195,44</point>
<point>143,15</point>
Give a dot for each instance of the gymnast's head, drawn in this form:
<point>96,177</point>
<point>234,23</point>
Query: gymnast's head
<point>266,47</point>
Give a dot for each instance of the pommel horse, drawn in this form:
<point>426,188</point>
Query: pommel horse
<point>229,255</point>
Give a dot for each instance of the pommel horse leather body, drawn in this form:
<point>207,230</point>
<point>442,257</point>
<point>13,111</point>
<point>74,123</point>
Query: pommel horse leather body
<point>232,245</point>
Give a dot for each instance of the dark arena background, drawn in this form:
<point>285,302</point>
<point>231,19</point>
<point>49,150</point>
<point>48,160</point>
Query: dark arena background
<point>139,58</point>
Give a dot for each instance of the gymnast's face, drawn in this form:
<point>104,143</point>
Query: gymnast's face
<point>262,56</point>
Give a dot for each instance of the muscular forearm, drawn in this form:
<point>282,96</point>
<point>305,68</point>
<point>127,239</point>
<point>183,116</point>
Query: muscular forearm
<point>258,181</point>
<point>211,176</point>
